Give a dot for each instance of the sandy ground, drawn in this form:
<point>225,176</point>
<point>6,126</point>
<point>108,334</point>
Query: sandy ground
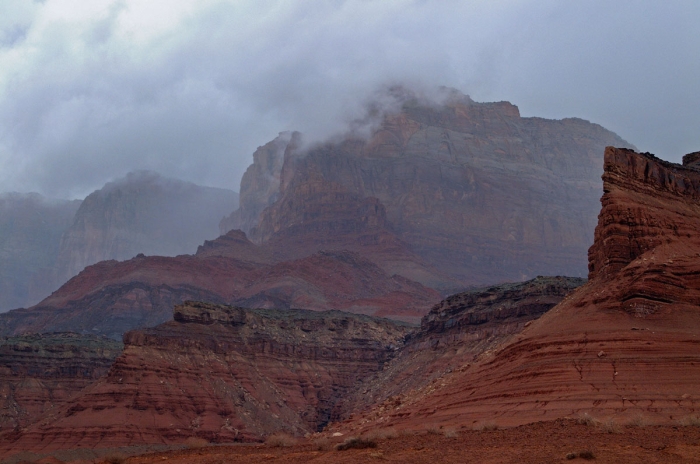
<point>559,441</point>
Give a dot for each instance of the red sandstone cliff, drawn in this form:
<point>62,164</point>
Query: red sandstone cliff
<point>471,189</point>
<point>220,373</point>
<point>624,345</point>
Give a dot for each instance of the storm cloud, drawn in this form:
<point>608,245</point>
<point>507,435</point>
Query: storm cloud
<point>92,90</point>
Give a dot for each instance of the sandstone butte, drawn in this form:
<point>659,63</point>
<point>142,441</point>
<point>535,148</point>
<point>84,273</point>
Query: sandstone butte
<point>624,345</point>
<point>438,198</point>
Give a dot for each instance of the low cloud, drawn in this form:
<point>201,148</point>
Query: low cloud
<point>190,88</point>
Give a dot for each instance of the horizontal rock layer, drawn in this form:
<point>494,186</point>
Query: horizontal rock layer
<point>223,374</point>
<point>41,372</point>
<point>621,346</point>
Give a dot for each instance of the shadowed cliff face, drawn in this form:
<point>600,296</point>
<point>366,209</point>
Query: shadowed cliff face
<point>224,374</point>
<point>142,213</point>
<point>30,231</point>
<point>623,345</point>
<point>472,189</point>
<point>42,372</point>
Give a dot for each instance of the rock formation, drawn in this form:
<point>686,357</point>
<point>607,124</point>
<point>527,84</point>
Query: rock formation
<point>41,372</point>
<point>30,231</point>
<point>471,189</point>
<point>223,374</point>
<point>110,298</point>
<point>456,333</point>
<point>141,213</point>
<point>623,345</point>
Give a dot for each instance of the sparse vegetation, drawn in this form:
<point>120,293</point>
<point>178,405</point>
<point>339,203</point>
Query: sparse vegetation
<point>280,440</point>
<point>322,444</point>
<point>382,434</point>
<point>639,421</point>
<point>486,427</point>
<point>196,442</point>
<point>691,421</point>
<point>586,454</point>
<point>450,432</point>
<point>115,458</point>
<point>356,443</point>
<point>586,419</point>
<point>610,426</point>
<point>434,431</point>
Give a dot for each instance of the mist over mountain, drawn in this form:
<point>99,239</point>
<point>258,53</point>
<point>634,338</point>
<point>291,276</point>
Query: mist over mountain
<point>31,227</point>
<point>44,242</point>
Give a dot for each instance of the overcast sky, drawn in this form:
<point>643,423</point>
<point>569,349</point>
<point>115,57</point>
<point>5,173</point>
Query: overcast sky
<point>93,89</point>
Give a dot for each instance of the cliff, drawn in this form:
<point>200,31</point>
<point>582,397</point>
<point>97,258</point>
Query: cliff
<point>42,372</point>
<point>30,231</point>
<point>141,213</point>
<point>223,374</point>
<point>110,298</point>
<point>624,345</point>
<point>472,189</point>
<point>457,332</point>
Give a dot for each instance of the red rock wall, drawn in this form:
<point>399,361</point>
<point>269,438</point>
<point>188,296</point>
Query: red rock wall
<point>222,374</point>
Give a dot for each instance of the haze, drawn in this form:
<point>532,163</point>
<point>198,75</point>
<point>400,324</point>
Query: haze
<point>92,90</point>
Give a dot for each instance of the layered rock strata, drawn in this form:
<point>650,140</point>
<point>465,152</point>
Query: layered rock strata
<point>456,333</point>
<point>223,374</point>
<point>622,346</point>
<point>472,189</point>
<point>110,298</point>
<point>42,372</point>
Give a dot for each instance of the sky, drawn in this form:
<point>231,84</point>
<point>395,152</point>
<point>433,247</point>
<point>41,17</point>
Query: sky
<point>91,90</point>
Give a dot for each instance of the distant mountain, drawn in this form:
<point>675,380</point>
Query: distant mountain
<point>31,227</point>
<point>141,213</point>
<point>44,242</point>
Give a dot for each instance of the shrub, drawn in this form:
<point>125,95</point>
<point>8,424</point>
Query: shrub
<point>196,442</point>
<point>356,443</point>
<point>691,421</point>
<point>611,426</point>
<point>486,426</point>
<point>322,444</point>
<point>115,458</point>
<point>450,433</point>
<point>280,440</point>
<point>586,454</point>
<point>586,419</point>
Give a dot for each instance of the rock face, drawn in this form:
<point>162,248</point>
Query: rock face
<point>41,372</point>
<point>221,373</point>
<point>623,345</point>
<point>456,333</point>
<point>141,213</point>
<point>30,231</point>
<point>110,298</point>
<point>471,189</point>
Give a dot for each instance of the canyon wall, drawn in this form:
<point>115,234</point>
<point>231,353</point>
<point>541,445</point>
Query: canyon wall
<point>42,372</point>
<point>223,374</point>
<point>623,346</point>
<point>473,189</point>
